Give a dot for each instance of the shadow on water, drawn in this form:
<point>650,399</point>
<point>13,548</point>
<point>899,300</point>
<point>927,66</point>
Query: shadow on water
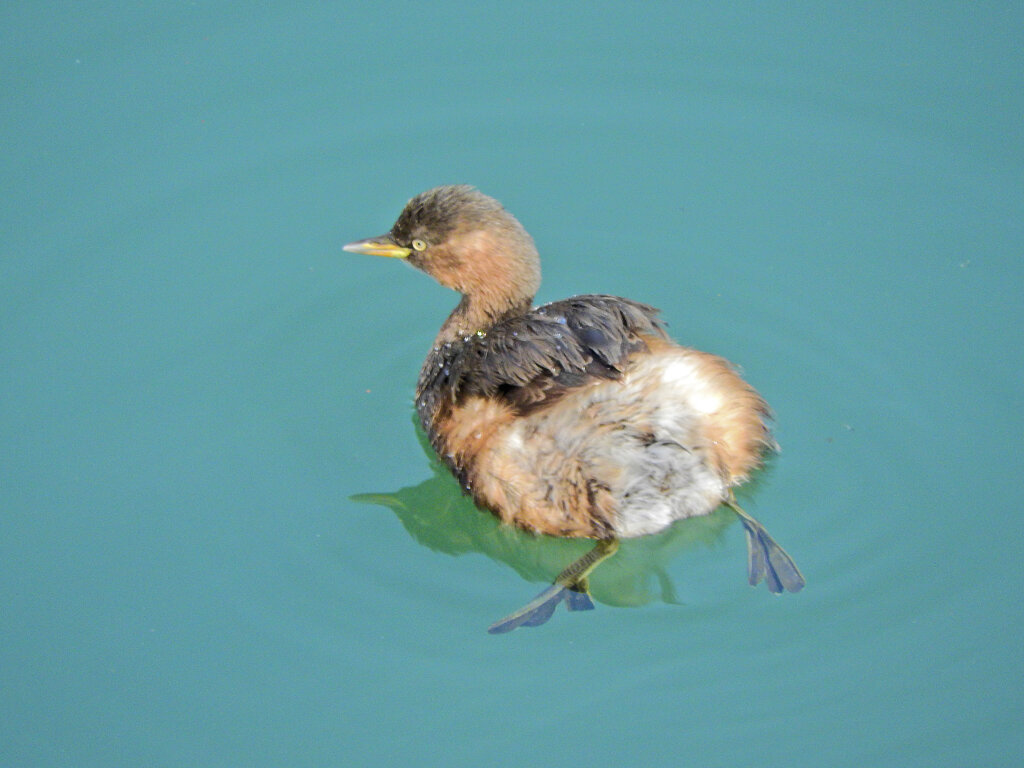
<point>438,515</point>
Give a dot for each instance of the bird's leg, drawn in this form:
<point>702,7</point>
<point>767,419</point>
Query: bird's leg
<point>766,559</point>
<point>574,576</point>
<point>571,585</point>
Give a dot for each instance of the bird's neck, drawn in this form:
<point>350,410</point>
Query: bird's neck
<point>497,271</point>
<point>476,314</point>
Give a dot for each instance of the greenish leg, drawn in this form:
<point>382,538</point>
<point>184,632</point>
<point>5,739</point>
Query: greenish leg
<point>571,585</point>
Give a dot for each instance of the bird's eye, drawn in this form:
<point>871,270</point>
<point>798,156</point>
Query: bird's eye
<point>419,245</point>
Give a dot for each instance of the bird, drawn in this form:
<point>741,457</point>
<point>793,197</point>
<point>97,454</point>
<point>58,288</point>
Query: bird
<point>577,418</point>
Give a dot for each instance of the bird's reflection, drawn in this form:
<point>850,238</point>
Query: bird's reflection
<point>439,516</point>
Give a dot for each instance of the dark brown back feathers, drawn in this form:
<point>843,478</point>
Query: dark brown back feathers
<point>533,359</point>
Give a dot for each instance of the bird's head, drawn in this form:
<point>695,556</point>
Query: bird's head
<point>466,241</point>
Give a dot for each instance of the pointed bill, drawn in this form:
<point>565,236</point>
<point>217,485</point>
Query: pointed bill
<point>378,246</point>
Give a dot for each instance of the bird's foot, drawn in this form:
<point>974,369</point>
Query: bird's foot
<point>766,560</point>
<point>571,585</point>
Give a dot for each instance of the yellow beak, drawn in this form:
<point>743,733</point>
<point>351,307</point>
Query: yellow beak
<point>378,246</point>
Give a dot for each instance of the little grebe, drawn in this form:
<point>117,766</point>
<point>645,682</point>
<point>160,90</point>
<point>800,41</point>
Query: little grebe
<point>576,418</point>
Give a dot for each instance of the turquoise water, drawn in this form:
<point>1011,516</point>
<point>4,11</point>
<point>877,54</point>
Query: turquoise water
<point>221,543</point>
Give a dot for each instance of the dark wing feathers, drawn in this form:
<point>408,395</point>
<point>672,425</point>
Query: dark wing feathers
<point>535,358</point>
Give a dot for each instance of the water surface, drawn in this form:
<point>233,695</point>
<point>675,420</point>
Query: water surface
<point>195,382</point>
